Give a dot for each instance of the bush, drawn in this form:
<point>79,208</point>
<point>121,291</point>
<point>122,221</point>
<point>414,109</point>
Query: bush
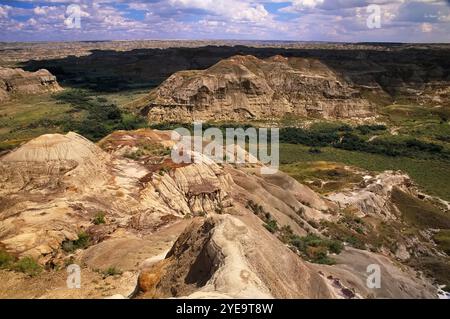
<point>5,259</point>
<point>102,118</point>
<point>27,265</point>
<point>82,242</point>
<point>111,271</point>
<point>368,129</point>
<point>344,137</point>
<point>271,226</point>
<point>316,249</point>
<point>99,219</point>
<point>335,247</point>
<point>319,255</point>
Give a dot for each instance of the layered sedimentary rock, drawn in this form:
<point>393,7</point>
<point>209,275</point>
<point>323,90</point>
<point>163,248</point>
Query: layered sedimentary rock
<point>16,82</point>
<point>244,87</point>
<point>191,230</point>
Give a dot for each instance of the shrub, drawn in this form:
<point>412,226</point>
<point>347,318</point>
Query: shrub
<point>319,255</point>
<point>101,117</point>
<point>111,271</point>
<point>82,242</point>
<point>99,219</point>
<point>271,226</point>
<point>367,129</point>
<point>335,246</point>
<point>5,259</point>
<point>315,249</point>
<point>27,265</point>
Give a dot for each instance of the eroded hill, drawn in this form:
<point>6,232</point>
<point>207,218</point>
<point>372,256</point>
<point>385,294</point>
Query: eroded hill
<point>17,82</point>
<point>122,209</point>
<point>247,88</point>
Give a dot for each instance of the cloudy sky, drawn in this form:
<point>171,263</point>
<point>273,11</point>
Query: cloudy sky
<point>305,20</point>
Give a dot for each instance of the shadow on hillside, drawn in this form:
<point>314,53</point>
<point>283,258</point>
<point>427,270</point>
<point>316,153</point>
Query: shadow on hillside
<point>112,71</point>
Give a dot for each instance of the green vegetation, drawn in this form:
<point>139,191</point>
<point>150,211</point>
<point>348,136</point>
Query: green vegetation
<point>82,242</point>
<point>323,177</point>
<point>357,139</point>
<point>167,126</point>
<point>99,219</point>
<point>148,149</point>
<point>98,118</point>
<point>5,259</point>
<point>443,240</point>
<point>412,115</point>
<point>28,117</point>
<point>313,248</point>
<point>419,213</point>
<point>432,175</point>
<point>362,233</point>
<point>26,265</point>
<point>271,225</point>
<point>434,267</point>
<point>316,249</point>
<point>72,110</point>
<point>111,272</point>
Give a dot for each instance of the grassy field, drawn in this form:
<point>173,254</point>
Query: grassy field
<point>336,175</point>
<point>27,117</point>
<point>433,176</point>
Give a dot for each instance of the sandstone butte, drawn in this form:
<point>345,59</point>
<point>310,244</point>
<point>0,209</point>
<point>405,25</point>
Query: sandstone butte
<point>243,88</point>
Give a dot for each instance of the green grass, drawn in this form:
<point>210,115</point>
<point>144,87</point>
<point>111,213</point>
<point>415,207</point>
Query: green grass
<point>433,176</point>
<point>315,173</point>
<point>27,117</point>
<point>5,259</point>
<point>28,266</point>
<point>443,240</point>
<point>419,213</point>
<point>434,267</point>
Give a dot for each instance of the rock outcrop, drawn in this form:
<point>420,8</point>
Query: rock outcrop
<point>191,230</point>
<point>17,82</point>
<point>246,88</point>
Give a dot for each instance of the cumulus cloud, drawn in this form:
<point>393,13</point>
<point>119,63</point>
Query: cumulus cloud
<point>324,20</point>
<point>4,9</point>
<point>231,9</point>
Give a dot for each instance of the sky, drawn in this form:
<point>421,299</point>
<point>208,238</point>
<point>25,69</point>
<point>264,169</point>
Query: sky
<point>298,20</point>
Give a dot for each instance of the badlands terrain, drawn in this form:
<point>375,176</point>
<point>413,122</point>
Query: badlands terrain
<point>86,175</point>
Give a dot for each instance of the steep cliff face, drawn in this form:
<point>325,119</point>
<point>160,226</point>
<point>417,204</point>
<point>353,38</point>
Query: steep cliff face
<point>19,82</point>
<point>244,87</point>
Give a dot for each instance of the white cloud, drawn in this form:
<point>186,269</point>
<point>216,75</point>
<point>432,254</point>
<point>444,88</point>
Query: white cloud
<point>309,4</point>
<point>230,9</point>
<point>426,27</point>
<point>333,20</point>
<point>4,10</point>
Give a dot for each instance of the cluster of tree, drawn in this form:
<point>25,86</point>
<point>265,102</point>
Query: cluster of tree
<point>345,137</point>
<point>101,118</point>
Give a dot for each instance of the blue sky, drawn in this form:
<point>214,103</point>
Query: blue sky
<point>303,20</point>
